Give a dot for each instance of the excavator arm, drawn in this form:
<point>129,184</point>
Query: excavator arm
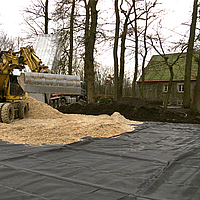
<point>28,57</point>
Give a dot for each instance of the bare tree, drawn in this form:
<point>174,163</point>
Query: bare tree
<point>115,51</point>
<point>123,40</point>
<point>69,17</point>
<point>36,17</point>
<point>132,14</point>
<point>90,38</point>
<point>46,17</point>
<point>135,27</point>
<point>196,102</point>
<point>6,42</point>
<point>189,56</point>
<point>145,51</point>
<point>149,18</point>
<point>168,63</point>
<point>119,73</point>
<point>71,38</point>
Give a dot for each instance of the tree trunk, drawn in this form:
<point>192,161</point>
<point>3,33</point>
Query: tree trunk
<point>86,60</point>
<point>136,53</point>
<point>46,17</point>
<point>122,59</point>
<point>71,38</point>
<point>123,49</point>
<point>115,52</point>
<point>145,53</point>
<point>188,66</point>
<point>169,86</point>
<point>90,37</point>
<point>196,100</point>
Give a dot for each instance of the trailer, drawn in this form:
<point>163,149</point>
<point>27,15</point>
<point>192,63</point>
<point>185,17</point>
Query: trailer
<point>55,90</point>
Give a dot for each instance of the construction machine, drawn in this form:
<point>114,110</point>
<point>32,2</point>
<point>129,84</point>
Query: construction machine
<point>38,81</point>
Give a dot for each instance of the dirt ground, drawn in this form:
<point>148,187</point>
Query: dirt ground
<point>137,110</point>
<point>71,123</point>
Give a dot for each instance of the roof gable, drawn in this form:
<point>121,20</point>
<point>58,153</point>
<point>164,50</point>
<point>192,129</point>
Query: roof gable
<point>157,70</point>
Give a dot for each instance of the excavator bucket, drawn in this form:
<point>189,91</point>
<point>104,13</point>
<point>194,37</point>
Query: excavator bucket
<point>46,83</point>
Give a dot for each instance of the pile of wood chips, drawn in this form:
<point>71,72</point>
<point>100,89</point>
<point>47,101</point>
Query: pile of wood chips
<point>46,125</point>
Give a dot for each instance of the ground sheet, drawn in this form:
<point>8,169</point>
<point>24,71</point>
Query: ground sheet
<point>156,161</point>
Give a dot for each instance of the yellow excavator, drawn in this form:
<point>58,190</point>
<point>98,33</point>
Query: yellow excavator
<point>13,88</point>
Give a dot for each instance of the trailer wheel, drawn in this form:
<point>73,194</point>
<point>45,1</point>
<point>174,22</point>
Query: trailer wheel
<point>7,113</point>
<point>23,110</point>
<point>59,103</point>
<point>55,103</point>
<point>51,103</point>
<point>62,102</point>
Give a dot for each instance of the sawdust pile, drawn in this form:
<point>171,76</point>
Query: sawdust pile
<point>40,110</point>
<point>46,125</point>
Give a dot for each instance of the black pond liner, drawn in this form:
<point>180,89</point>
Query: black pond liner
<point>156,161</point>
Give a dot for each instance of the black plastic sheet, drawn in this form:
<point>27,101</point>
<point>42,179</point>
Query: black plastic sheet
<point>156,161</point>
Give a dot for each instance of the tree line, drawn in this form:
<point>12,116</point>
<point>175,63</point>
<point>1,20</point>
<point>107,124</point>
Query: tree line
<point>131,33</point>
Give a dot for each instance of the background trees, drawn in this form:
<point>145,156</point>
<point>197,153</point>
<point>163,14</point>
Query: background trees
<point>82,38</point>
<point>70,30</point>
<point>132,30</point>
<point>36,17</point>
<point>6,42</point>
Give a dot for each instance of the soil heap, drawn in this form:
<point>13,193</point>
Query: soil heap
<point>137,110</point>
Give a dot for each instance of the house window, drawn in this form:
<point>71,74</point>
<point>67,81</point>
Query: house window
<point>180,87</point>
<point>165,88</point>
<point>168,103</point>
<point>179,103</point>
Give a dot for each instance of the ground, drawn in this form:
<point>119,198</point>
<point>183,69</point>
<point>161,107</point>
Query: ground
<point>46,125</point>
<point>135,109</point>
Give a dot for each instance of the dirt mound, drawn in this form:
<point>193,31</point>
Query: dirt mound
<point>136,109</point>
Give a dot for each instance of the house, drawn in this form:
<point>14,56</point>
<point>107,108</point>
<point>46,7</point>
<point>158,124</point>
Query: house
<point>157,76</point>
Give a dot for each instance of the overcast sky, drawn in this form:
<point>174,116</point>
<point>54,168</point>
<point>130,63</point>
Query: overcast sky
<point>178,11</point>
<point>11,19</point>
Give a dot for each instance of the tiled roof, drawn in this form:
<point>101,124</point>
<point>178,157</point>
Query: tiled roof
<point>157,70</point>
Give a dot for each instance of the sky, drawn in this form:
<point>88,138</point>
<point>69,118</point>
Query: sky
<point>177,12</point>
<point>11,18</point>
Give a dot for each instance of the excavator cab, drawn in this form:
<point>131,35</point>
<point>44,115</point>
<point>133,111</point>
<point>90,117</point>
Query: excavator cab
<point>15,88</point>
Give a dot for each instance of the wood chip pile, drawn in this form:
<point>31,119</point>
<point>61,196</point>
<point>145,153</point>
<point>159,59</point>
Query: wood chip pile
<point>40,110</point>
<point>46,125</point>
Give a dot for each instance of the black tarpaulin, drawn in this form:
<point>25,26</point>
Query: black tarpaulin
<point>156,161</point>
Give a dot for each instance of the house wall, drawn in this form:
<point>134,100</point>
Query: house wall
<point>154,91</point>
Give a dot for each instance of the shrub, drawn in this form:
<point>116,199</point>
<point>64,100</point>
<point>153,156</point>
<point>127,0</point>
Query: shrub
<point>105,100</point>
